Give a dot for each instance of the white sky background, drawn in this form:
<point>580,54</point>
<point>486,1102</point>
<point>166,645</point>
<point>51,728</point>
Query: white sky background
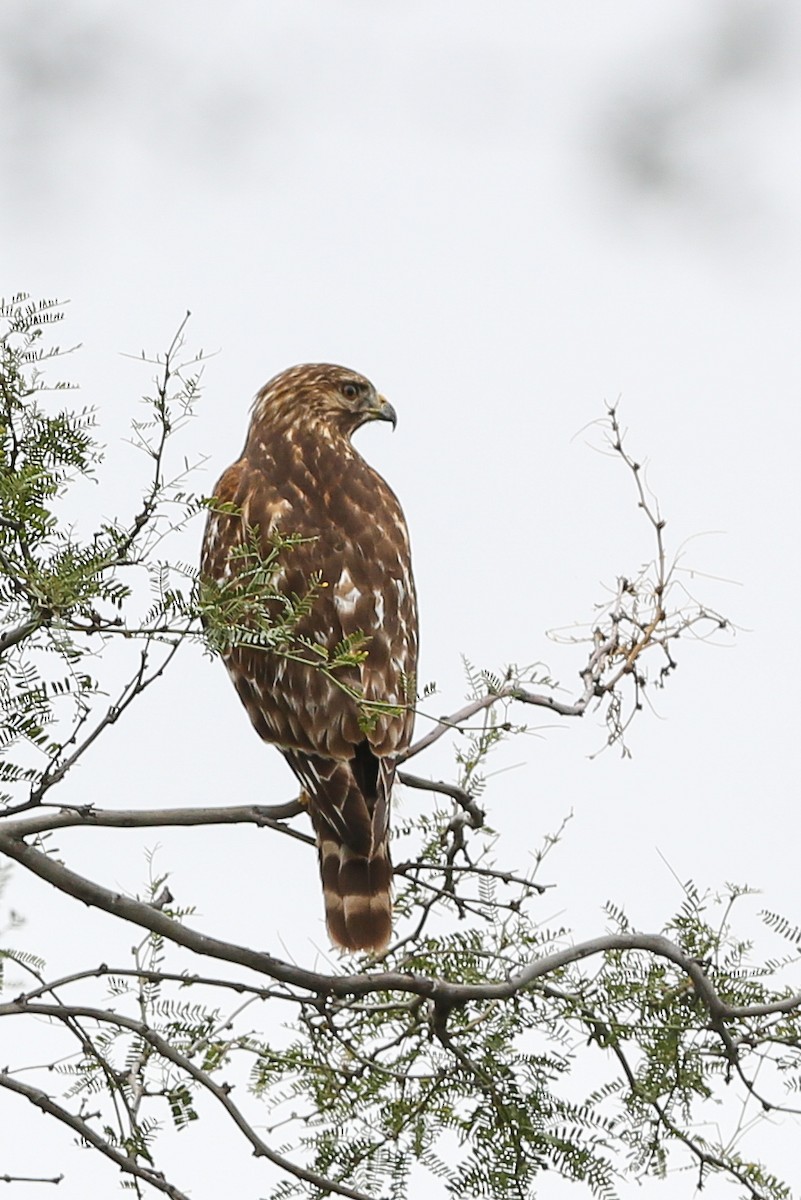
<point>504,215</point>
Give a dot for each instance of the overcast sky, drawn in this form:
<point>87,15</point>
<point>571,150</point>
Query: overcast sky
<point>505,215</point>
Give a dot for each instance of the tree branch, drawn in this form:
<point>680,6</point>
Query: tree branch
<point>270,816</point>
<point>31,1179</point>
<point>129,1165</point>
<point>19,633</point>
<point>164,1048</point>
<point>147,975</point>
<point>441,991</point>
<point>462,797</point>
<point>140,682</point>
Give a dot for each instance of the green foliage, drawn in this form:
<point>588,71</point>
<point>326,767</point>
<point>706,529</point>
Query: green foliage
<point>62,593</point>
<point>480,1094</point>
<point>249,609</point>
<point>384,1083</point>
<point>477,743</point>
<point>373,1091</point>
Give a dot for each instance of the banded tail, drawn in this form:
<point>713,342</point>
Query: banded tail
<point>348,802</point>
<point>357,892</point>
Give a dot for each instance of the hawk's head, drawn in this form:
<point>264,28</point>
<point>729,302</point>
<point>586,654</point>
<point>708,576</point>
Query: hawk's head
<point>322,395</point>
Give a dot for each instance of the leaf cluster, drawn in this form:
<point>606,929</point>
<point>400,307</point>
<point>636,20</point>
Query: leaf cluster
<point>63,593</point>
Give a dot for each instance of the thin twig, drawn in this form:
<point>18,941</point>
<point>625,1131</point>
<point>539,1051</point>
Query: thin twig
<point>31,1179</point>
<point>168,1051</point>
<point>85,1131</point>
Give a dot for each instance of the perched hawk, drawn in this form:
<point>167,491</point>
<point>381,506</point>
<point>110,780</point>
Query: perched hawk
<point>299,474</point>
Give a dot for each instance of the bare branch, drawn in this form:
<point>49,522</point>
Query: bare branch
<point>147,975</point>
<point>513,692</point>
<point>270,816</point>
<point>150,502</point>
<point>140,682</point>
<point>31,1179</point>
<point>462,798</point>
<point>13,637</point>
<point>508,877</point>
<point>635,622</point>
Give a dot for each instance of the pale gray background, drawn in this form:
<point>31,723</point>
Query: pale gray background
<point>504,214</point>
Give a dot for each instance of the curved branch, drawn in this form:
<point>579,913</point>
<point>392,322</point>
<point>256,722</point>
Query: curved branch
<point>166,1050</point>
<point>591,675</point>
<point>456,720</point>
<point>445,994</point>
<point>456,793</point>
<point>47,1105</point>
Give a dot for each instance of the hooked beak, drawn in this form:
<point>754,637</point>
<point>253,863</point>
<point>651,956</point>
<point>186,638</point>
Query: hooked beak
<point>383,411</point>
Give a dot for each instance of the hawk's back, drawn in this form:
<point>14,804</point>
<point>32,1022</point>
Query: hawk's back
<point>299,474</point>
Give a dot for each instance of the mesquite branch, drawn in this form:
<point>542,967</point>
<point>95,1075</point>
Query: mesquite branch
<point>444,993</point>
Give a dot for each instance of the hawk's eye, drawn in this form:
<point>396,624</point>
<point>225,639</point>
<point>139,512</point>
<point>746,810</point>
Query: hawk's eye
<point>350,390</point>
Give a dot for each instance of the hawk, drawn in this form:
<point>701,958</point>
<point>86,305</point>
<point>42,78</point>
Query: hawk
<point>299,474</point>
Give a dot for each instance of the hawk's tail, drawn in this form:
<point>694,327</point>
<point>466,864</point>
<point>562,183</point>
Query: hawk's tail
<point>357,893</point>
<point>348,802</point>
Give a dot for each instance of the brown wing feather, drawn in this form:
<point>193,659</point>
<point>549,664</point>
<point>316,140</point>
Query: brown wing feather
<point>302,475</point>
